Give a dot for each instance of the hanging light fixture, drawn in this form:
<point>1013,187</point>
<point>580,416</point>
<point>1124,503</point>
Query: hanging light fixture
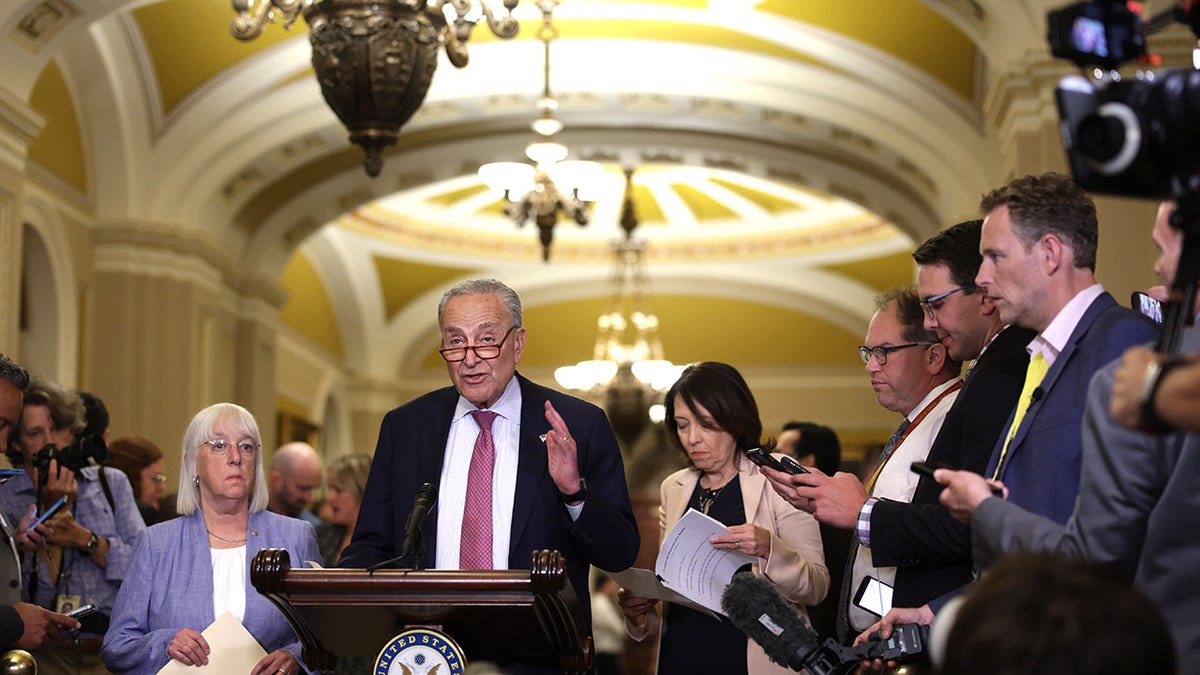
<point>551,185</point>
<point>375,59</point>
<point>627,369</point>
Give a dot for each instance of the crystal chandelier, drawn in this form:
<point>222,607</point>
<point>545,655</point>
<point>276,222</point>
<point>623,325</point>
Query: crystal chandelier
<point>627,369</point>
<point>374,59</point>
<point>553,185</point>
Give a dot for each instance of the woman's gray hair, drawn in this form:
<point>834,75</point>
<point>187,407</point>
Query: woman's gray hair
<point>512,302</point>
<point>240,423</point>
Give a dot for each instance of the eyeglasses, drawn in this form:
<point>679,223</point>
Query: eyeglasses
<point>881,353</point>
<point>934,302</point>
<point>485,352</point>
<point>159,478</point>
<point>222,446</point>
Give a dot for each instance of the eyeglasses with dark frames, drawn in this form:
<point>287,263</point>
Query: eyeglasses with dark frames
<point>881,353</point>
<point>934,302</point>
<point>485,352</point>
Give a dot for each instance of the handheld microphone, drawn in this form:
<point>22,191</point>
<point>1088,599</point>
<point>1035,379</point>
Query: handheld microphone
<point>422,503</point>
<point>756,608</point>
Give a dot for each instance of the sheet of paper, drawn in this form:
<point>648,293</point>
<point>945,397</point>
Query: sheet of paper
<point>645,584</point>
<point>687,563</point>
<point>233,650</point>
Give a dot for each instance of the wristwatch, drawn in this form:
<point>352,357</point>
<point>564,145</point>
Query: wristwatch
<point>1155,370</point>
<point>576,496</point>
<point>92,545</point>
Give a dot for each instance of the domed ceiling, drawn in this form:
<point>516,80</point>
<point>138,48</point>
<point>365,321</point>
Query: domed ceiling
<point>787,155</point>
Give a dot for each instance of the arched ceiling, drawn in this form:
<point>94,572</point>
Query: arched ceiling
<point>789,153</point>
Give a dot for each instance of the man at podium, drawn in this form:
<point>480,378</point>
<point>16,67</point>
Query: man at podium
<point>519,467</point>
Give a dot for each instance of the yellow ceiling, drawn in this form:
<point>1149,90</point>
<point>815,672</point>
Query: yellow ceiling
<point>308,308</point>
<point>184,59</point>
<point>402,281</point>
<point>59,146</point>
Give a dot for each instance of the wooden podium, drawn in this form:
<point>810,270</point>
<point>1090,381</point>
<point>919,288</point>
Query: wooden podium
<point>526,616</point>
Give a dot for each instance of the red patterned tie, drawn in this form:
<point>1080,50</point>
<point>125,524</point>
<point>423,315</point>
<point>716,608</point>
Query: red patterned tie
<point>475,552</point>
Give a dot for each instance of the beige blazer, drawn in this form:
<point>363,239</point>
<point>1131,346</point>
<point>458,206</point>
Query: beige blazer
<point>797,562</point>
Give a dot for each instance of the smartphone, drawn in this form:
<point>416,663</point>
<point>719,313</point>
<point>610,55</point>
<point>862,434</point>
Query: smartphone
<point>49,513</point>
<point>82,611</point>
<point>925,468</point>
<point>9,473</point>
<point>1148,305</point>
<point>873,596</point>
<point>763,458</point>
<point>792,466</point>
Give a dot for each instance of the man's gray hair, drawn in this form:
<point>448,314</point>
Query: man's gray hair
<point>485,287</point>
<point>12,373</point>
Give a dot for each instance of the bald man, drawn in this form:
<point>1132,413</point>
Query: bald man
<point>295,474</point>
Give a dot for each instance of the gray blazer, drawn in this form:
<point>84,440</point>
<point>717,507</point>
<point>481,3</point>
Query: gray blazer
<point>169,586</point>
<point>1138,507</point>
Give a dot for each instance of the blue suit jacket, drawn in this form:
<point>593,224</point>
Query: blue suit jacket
<point>1139,507</point>
<point>169,586</point>
<point>412,444</point>
<point>1041,469</point>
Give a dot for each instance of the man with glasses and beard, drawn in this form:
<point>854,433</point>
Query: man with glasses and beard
<point>912,374</point>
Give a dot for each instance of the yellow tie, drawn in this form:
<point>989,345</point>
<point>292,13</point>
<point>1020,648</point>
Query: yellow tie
<point>1033,377</point>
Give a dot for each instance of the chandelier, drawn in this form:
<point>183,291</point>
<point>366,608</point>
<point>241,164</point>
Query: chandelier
<point>627,369</point>
<point>552,185</point>
<point>374,59</point>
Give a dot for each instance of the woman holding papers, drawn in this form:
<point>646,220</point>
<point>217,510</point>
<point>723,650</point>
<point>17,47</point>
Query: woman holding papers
<point>190,571</point>
<point>713,418</point>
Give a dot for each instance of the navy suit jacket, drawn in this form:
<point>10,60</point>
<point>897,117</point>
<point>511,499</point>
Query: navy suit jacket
<point>1139,508</point>
<point>1041,469</point>
<point>412,444</point>
<point>932,550</point>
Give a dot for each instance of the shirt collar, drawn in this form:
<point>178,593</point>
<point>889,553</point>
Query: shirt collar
<point>508,406</point>
<point>1053,340</point>
<point>933,393</point>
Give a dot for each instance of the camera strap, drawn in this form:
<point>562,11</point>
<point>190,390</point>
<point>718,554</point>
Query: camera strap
<point>107,491</point>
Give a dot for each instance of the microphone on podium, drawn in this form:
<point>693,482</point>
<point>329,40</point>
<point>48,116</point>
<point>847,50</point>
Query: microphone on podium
<point>424,501</point>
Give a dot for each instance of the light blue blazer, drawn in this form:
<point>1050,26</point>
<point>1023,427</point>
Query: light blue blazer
<point>169,586</point>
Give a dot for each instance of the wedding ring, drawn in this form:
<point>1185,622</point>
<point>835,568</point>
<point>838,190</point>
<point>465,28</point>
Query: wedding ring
<point>737,544</point>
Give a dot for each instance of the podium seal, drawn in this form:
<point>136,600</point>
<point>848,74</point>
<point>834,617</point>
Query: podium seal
<point>420,651</point>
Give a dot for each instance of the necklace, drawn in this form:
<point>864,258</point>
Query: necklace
<point>708,496</point>
<point>218,537</point>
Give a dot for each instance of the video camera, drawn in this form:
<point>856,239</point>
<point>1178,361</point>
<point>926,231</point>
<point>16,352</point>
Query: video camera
<point>74,457</point>
<point>1136,137</point>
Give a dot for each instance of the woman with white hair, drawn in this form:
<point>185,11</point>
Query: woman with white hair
<point>187,572</point>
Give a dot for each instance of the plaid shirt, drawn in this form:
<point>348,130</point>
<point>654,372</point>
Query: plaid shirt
<point>80,575</point>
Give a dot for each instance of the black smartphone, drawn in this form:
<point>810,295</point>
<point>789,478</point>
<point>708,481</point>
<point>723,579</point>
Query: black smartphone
<point>82,611</point>
<point>792,466</point>
<point>49,513</point>
<point>1148,305</point>
<point>925,468</point>
<point>763,458</point>
<point>873,596</point>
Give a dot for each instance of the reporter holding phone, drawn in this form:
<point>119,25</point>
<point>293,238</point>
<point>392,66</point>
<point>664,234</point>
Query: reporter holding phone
<point>713,418</point>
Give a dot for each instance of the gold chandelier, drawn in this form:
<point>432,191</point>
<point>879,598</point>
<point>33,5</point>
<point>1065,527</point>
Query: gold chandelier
<point>627,370</point>
<point>552,185</point>
<point>375,59</point>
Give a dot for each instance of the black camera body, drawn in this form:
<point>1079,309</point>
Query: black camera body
<point>75,456</point>
<point>1136,138</point>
